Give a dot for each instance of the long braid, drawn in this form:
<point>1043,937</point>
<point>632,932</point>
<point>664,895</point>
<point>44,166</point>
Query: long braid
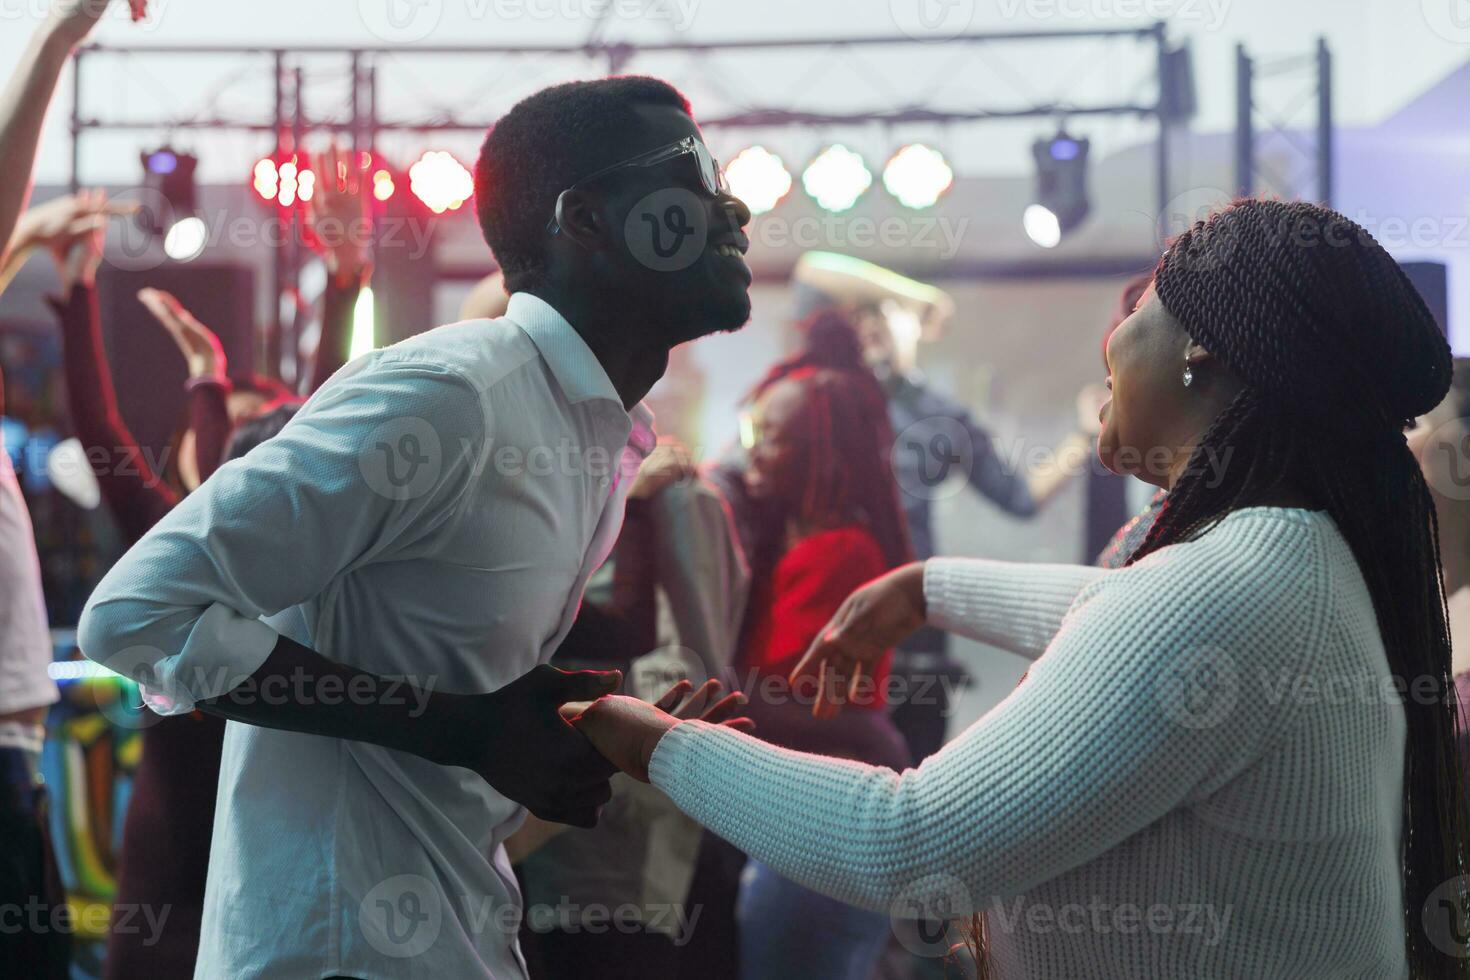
<point>1337,352</point>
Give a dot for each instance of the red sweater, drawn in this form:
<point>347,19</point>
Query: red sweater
<point>801,595</point>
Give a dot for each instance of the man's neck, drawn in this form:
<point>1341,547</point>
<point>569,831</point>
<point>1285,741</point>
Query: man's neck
<point>631,366</point>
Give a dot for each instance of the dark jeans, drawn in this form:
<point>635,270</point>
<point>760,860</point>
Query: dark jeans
<point>35,923</point>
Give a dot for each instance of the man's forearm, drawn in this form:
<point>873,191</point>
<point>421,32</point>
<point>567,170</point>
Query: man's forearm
<point>297,689</point>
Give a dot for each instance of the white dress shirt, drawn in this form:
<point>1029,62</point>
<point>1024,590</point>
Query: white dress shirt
<point>433,512</point>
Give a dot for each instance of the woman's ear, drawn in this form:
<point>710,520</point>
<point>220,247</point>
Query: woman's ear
<point>1195,354</point>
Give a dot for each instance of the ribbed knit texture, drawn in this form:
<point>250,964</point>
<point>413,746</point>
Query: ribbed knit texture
<point>1200,777</point>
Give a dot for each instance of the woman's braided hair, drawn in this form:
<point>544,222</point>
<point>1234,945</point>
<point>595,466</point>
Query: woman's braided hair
<point>1338,354</point>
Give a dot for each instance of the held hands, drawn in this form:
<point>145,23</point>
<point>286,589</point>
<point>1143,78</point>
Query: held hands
<point>869,623</point>
<point>626,730</point>
<point>202,351</point>
<point>518,742</point>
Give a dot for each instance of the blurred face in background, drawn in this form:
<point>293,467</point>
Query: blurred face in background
<point>774,443</point>
<point>890,335</point>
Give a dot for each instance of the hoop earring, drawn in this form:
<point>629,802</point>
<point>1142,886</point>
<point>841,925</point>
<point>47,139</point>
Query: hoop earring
<point>1188,373</point>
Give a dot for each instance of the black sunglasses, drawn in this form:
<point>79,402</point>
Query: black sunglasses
<point>710,174</point>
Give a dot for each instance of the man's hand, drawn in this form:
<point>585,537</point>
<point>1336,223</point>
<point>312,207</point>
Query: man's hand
<point>627,730</point>
<point>517,740</point>
<point>338,216</point>
<point>203,353</point>
<point>869,623</point>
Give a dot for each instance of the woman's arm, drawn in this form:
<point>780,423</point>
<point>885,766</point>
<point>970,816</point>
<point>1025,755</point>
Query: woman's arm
<point>1124,720</point>
<point>135,494</point>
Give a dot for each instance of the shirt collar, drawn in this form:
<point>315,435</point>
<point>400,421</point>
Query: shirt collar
<point>572,362</point>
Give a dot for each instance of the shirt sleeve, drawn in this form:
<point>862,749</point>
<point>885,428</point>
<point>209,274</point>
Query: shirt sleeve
<point>375,460</point>
<point>1017,606</point>
<point>1140,706</point>
<point>702,571</point>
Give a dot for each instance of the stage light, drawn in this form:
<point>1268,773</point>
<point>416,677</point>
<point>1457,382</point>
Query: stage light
<point>440,181</point>
<point>836,178</point>
<point>759,178</point>
<point>383,186</point>
<point>364,336</point>
<point>1061,189</point>
<point>266,179</point>
<point>1042,226</point>
<point>185,241</point>
<point>170,195</point>
<point>917,176</point>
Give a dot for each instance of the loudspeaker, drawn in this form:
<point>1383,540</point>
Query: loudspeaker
<point>1431,281</point>
<point>147,369</point>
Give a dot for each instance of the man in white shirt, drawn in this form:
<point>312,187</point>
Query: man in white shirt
<point>364,594</point>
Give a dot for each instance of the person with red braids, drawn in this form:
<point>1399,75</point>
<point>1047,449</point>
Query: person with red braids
<point>826,519</point>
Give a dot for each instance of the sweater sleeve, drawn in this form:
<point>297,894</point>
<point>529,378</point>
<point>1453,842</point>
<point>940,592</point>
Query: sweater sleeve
<point>1142,704</point>
<point>1017,606</point>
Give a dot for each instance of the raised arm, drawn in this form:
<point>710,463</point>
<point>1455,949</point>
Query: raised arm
<point>339,221</point>
<point>181,611</point>
<point>135,493</point>
<point>26,96</point>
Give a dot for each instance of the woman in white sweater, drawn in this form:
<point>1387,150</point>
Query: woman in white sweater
<point>1234,757</point>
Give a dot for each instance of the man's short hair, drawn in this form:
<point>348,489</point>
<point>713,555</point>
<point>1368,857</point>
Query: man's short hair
<point>542,146</point>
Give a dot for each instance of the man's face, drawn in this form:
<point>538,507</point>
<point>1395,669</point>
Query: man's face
<point>680,250</point>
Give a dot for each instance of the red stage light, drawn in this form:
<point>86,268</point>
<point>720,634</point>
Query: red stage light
<point>440,181</point>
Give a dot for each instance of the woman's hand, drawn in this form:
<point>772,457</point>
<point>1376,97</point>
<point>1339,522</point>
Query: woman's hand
<point>869,623</point>
<point>626,730</point>
<point>669,463</point>
<point>203,353</point>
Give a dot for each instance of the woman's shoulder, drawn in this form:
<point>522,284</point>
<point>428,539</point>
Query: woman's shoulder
<point>1263,563</point>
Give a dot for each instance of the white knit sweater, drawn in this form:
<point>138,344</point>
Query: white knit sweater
<point>1201,775</point>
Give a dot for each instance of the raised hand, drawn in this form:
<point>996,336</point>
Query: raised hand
<point>203,353</point>
<point>626,730</point>
<point>72,20</point>
<point>339,217</point>
<point>518,741</point>
<point>63,221</point>
<point>869,623</point>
